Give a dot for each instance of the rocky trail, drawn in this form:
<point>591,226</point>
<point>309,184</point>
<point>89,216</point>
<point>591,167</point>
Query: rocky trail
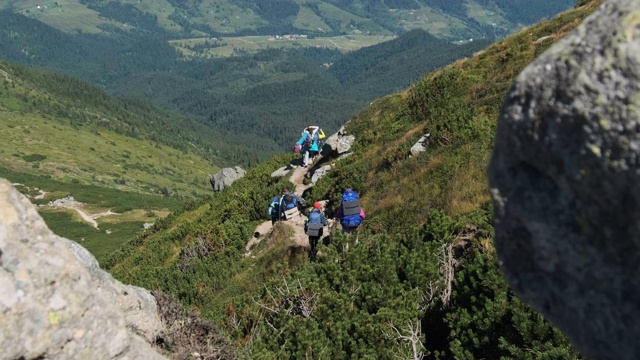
<point>296,223</point>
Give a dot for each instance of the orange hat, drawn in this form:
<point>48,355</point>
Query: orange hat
<point>317,205</point>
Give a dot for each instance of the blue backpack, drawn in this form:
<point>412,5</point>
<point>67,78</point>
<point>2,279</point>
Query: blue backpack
<point>315,218</point>
<point>350,209</point>
<point>289,201</point>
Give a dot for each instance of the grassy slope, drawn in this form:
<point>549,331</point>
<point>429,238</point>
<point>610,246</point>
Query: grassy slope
<point>98,157</point>
<point>34,123</point>
<point>458,105</point>
<point>46,151</point>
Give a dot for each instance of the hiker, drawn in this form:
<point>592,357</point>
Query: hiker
<point>309,143</point>
<point>274,210</point>
<point>350,213</point>
<point>313,227</point>
<point>289,204</point>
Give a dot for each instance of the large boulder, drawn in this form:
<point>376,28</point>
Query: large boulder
<point>565,179</point>
<point>56,304</point>
<point>338,143</point>
<point>421,145</point>
<point>136,304</point>
<point>226,177</point>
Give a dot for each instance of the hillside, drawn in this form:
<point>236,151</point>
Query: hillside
<point>420,278</point>
<point>392,66</point>
<point>62,137</point>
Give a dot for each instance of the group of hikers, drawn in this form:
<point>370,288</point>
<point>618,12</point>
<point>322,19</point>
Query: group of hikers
<point>350,215</point>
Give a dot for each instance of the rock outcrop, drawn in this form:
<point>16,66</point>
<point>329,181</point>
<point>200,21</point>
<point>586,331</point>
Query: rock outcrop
<point>565,179</point>
<point>136,304</point>
<point>319,173</point>
<point>338,143</point>
<point>282,171</point>
<point>226,177</point>
<point>421,145</point>
<point>56,302</point>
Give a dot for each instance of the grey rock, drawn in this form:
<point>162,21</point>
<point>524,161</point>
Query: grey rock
<point>226,177</point>
<point>564,177</point>
<point>421,145</point>
<point>138,306</point>
<point>281,172</point>
<point>319,173</point>
<point>338,143</point>
<point>49,299</point>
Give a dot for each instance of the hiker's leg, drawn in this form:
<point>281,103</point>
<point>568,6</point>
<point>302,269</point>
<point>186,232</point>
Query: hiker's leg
<point>313,247</point>
<point>305,161</point>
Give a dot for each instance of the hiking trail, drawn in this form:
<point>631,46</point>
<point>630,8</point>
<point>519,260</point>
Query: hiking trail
<point>297,222</point>
<point>70,203</point>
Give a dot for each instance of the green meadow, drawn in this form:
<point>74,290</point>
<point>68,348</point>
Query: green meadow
<point>225,47</point>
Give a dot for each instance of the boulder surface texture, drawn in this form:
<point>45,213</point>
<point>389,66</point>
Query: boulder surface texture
<point>51,305</point>
<point>565,179</point>
<point>338,143</point>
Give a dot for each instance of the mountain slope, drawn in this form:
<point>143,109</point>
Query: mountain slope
<point>124,163</point>
<point>421,271</point>
<point>392,66</point>
<point>458,19</point>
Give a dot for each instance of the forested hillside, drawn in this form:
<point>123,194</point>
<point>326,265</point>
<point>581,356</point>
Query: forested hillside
<point>259,103</point>
<point>393,65</point>
<point>419,279</point>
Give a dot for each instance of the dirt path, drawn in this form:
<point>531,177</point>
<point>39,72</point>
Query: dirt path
<point>297,178</point>
<point>69,203</point>
<point>262,229</point>
<point>296,223</point>
<point>87,218</point>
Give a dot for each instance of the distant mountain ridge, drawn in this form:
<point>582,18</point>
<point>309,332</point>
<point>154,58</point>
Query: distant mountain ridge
<point>261,100</point>
<point>451,19</point>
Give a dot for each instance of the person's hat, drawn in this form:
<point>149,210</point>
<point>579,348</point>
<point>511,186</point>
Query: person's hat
<point>317,205</point>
